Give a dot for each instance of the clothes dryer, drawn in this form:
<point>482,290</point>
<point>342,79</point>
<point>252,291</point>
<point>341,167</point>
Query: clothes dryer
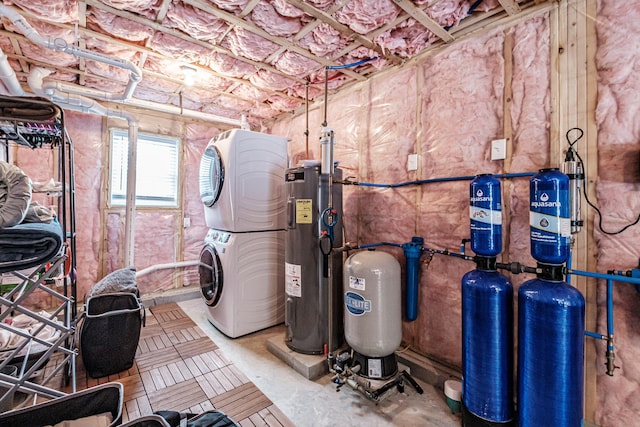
<point>242,181</point>
<point>242,280</point>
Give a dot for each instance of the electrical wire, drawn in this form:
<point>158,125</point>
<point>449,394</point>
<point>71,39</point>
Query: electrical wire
<point>586,195</point>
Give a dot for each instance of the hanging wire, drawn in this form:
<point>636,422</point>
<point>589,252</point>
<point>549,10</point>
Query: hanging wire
<point>572,143</point>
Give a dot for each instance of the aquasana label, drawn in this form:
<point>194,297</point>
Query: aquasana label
<point>356,304</point>
<point>547,224</point>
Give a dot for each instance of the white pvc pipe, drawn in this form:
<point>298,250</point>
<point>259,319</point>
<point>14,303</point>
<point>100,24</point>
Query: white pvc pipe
<point>8,76</point>
<point>60,45</point>
<point>157,267</point>
<point>51,87</point>
<point>130,205</point>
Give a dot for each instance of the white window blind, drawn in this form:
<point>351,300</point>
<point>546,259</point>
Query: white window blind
<point>156,173</point>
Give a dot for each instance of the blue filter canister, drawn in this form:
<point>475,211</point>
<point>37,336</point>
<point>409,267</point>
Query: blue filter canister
<point>551,321</point>
<point>550,216</point>
<point>485,213</point>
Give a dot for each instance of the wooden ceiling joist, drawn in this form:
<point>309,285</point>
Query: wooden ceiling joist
<point>424,19</point>
<point>510,6</point>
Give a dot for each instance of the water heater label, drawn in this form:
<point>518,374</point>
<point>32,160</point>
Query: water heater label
<point>356,304</point>
<point>356,283</point>
<point>304,211</point>
<point>293,279</point>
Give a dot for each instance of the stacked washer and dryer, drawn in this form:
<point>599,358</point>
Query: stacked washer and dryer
<point>241,268</point>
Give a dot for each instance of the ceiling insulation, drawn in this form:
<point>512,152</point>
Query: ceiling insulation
<point>253,57</point>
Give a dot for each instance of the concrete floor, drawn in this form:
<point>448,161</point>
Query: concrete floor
<point>317,403</point>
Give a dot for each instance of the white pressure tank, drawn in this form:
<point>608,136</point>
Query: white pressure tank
<point>373,306</point>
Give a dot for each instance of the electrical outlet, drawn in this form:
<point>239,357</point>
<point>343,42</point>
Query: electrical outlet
<point>498,149</point>
<point>187,222</point>
<point>412,162</point>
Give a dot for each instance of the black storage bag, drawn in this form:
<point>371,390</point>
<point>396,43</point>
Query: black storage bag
<point>213,418</point>
<point>110,332</point>
<point>92,401</point>
<point>148,421</point>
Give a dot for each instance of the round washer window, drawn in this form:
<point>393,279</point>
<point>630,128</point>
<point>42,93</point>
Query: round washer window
<point>211,176</point>
<point>210,271</point>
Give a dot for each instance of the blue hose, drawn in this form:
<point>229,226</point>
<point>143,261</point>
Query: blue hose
<point>446,179</point>
<point>353,64</point>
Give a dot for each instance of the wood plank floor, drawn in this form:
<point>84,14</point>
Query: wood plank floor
<point>177,367</point>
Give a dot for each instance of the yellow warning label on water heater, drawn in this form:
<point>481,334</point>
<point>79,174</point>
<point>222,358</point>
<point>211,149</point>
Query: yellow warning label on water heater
<point>304,211</point>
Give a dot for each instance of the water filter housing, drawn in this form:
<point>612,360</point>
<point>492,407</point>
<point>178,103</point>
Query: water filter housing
<point>372,303</point>
<point>550,217</point>
<point>485,213</point>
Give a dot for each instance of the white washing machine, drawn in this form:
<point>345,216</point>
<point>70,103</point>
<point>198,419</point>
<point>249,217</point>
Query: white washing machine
<point>242,181</point>
<point>242,280</point>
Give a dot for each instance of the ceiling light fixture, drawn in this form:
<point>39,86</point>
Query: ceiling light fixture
<point>189,75</point>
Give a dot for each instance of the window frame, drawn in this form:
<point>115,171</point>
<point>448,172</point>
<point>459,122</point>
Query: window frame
<point>153,200</point>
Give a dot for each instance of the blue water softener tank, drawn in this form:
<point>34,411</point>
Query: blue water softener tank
<point>551,315</point>
<point>550,216</point>
<point>485,212</point>
<point>487,349</point>
<point>551,318</point>
<point>487,316</point>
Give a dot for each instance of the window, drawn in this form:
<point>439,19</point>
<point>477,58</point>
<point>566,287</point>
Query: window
<point>156,173</point>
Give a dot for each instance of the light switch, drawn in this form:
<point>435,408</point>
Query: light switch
<point>412,162</point>
<point>498,149</point>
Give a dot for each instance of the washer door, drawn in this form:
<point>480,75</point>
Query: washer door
<point>211,176</point>
<point>210,271</point>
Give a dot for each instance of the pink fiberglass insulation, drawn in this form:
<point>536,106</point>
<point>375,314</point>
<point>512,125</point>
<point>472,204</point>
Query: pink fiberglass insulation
<point>147,8</point>
<point>324,41</point>
<point>617,190</point>
<point>229,66</point>
<point>295,64</point>
<point>530,111</point>
<point>406,39</point>
<point>364,16</point>
<point>179,49</point>
<point>250,92</point>
<point>232,103</point>
<point>235,6</point>
<point>269,80</point>
<point>285,9</point>
<point>110,71</point>
<point>57,11</point>
<point>120,27</point>
<point>265,16</point>
<point>85,131</point>
<point>249,45</point>
<point>281,103</point>
<point>192,21</point>
<point>213,82</point>
<point>105,85</point>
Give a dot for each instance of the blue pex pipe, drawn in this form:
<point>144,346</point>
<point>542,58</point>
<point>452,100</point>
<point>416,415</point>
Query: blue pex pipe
<point>448,179</point>
<point>375,245</point>
<point>412,254</point>
<point>605,276</point>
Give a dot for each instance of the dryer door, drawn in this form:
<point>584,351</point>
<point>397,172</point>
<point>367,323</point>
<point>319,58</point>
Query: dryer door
<point>211,176</point>
<point>210,271</point>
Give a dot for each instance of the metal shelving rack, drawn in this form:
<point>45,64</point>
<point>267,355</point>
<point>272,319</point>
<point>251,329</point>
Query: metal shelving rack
<point>38,123</point>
